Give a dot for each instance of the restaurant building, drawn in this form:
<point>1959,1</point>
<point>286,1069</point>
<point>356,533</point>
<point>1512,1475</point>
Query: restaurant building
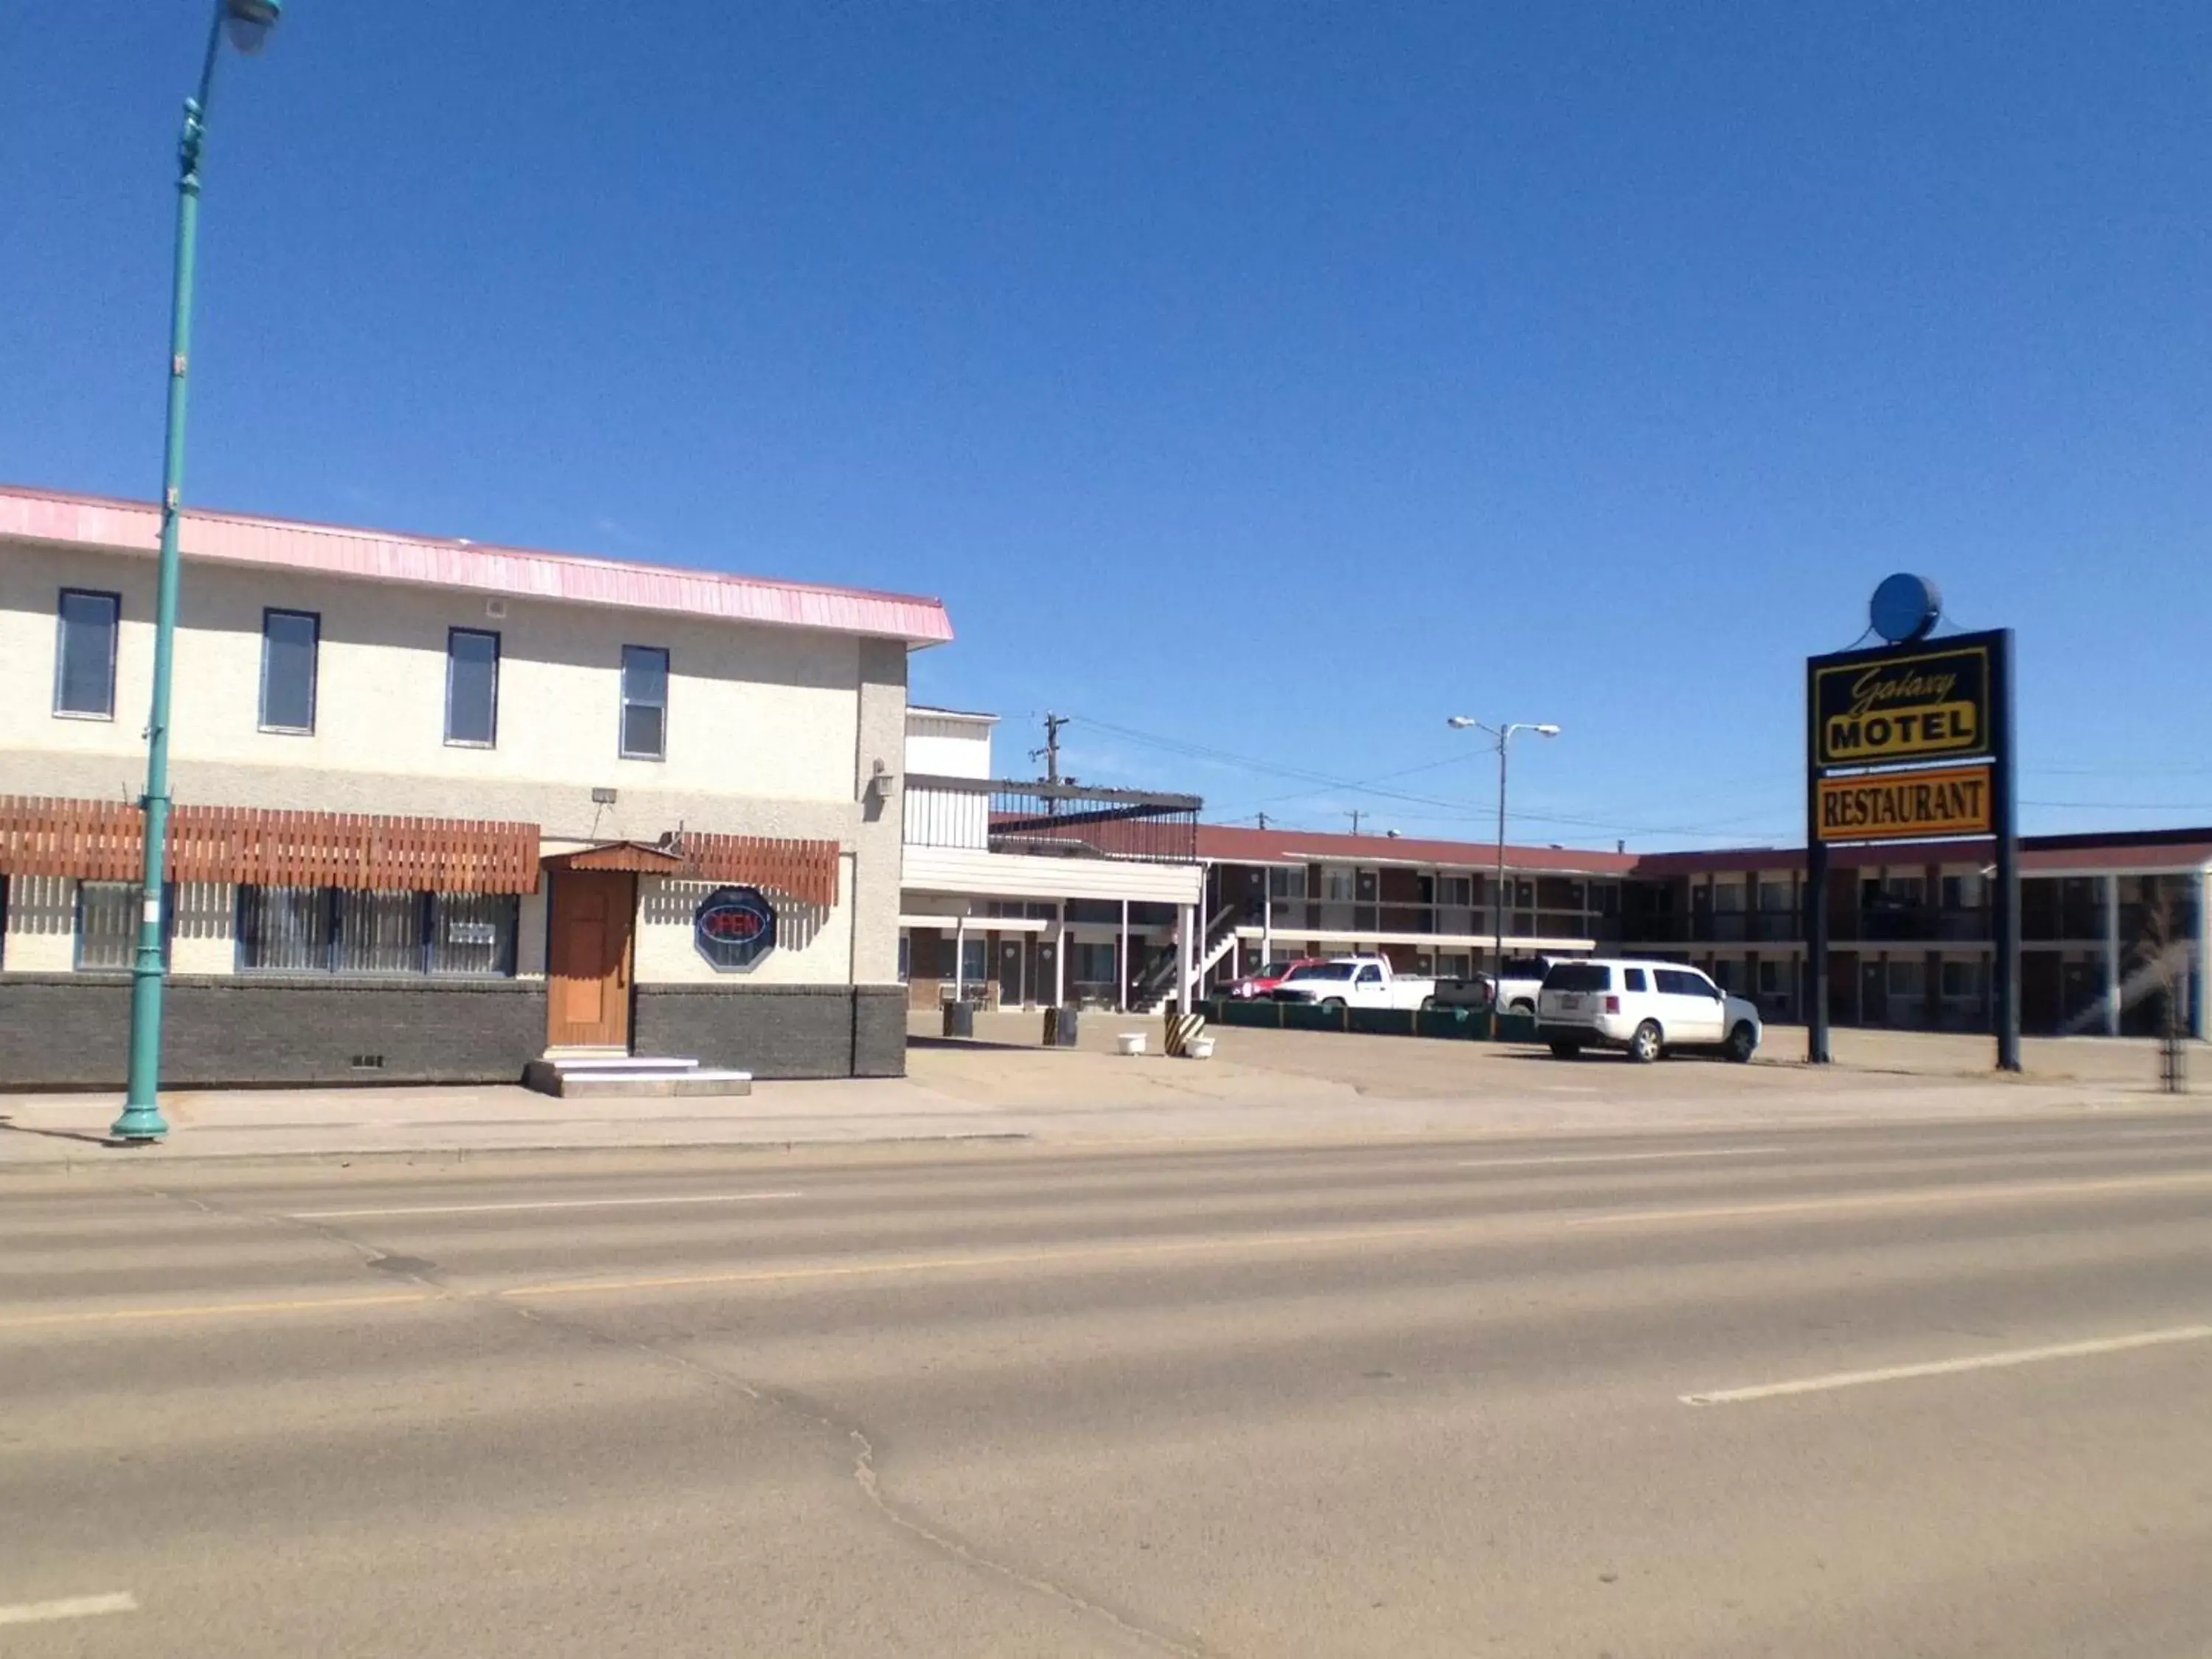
<point>443,807</point>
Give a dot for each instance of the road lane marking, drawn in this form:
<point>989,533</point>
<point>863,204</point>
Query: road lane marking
<point>1987,1193</point>
<point>73,1607</point>
<point>1986,1362</point>
<point>537,1204</point>
<point>209,1310</point>
<point>1611,1157</point>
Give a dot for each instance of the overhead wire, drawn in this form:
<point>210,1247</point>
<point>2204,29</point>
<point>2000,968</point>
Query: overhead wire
<point>1457,809</point>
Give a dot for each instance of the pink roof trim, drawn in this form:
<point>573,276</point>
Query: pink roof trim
<point>383,556</point>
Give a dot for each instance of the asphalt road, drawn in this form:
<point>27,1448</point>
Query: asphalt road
<point>1913,1389</point>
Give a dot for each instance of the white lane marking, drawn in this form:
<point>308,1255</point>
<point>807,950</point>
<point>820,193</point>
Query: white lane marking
<point>1992,1192</point>
<point>73,1607</point>
<point>1612,1158</point>
<point>1986,1362</point>
<point>539,1204</point>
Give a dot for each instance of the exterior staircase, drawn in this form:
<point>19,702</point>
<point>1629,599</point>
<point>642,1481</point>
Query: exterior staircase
<point>1157,983</point>
<point>595,1074</point>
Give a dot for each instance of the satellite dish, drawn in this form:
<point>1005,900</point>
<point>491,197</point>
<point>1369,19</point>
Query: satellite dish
<point>1905,608</point>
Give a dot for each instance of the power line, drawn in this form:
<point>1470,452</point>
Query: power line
<point>1457,808</point>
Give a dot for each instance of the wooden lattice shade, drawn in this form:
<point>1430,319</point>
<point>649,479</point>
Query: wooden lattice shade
<point>806,870</point>
<point>102,841</point>
<point>802,870</point>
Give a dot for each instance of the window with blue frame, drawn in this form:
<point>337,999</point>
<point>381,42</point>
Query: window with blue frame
<point>291,643</point>
<point>85,627</point>
<point>644,703</point>
<point>336,930</point>
<point>472,688</point>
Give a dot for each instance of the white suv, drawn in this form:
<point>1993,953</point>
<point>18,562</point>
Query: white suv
<point>1644,1007</point>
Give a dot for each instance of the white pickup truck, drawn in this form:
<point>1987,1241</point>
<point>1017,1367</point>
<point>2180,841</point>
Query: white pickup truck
<point>1355,982</point>
<point>1519,980</point>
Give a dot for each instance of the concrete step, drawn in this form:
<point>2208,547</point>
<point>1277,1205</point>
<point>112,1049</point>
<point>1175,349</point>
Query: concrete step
<point>602,1062</point>
<point>697,1080</point>
<point>571,1076</point>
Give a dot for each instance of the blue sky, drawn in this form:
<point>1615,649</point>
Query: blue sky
<point>1259,383</point>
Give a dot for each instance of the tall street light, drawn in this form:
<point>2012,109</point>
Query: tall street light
<point>247,24</point>
<point>1503,736</point>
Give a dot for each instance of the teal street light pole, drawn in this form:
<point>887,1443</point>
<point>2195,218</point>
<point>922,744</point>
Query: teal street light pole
<point>248,22</point>
<point>1504,735</point>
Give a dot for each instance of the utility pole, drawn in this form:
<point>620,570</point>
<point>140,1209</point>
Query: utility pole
<point>1355,815</point>
<point>1263,820</point>
<point>1050,753</point>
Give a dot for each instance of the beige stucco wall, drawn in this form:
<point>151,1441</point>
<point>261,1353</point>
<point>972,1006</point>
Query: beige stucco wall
<point>771,731</point>
<point>813,945</point>
<point>42,935</point>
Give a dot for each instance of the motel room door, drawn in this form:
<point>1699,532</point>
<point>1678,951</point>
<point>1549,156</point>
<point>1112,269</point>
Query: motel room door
<point>587,959</point>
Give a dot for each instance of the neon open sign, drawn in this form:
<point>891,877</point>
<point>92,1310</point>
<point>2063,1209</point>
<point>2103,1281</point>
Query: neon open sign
<point>734,928</point>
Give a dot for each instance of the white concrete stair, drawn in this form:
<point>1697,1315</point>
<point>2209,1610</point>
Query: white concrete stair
<point>590,1074</point>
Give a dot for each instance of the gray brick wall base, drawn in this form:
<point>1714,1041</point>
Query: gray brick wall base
<point>777,1031</point>
<point>71,1030</point>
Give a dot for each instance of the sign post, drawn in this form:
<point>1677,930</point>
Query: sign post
<point>1912,741</point>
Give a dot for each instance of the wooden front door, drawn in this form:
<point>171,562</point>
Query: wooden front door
<point>587,959</point>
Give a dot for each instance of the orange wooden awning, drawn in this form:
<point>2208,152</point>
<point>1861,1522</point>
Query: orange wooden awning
<point>802,870</point>
<point>102,840</point>
<point>636,857</point>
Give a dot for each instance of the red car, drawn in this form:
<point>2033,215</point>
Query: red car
<point>1266,977</point>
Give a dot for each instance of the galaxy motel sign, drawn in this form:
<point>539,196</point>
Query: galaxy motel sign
<point>1911,740</point>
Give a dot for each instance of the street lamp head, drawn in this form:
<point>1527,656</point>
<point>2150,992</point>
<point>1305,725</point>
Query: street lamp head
<point>1459,722</point>
<point>248,22</point>
<point>1548,731</point>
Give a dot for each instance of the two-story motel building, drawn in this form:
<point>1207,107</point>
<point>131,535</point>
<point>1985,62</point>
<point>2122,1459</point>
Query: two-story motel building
<point>2108,921</point>
<point>443,806</point>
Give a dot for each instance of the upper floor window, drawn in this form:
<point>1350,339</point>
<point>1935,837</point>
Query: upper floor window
<point>471,687</point>
<point>289,640</point>
<point>84,655</point>
<point>644,703</point>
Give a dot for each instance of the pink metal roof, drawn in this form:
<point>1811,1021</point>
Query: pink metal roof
<point>383,556</point>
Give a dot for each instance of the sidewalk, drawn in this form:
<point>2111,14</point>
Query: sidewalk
<point>1261,1084</point>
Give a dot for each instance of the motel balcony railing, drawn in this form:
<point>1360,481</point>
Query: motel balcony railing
<point>1294,916</point>
<point>1053,820</point>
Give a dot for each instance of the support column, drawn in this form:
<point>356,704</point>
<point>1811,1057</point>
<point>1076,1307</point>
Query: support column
<point>2200,1003</point>
<point>1059,960</point>
<point>2111,902</point>
<point>1122,964</point>
<point>1266,915</point>
<point>960,958</point>
<point>1186,958</point>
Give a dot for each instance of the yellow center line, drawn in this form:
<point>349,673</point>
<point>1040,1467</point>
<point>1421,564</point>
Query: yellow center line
<point>1186,1246</point>
<point>1202,1244</point>
<point>1977,1193</point>
<point>211,1310</point>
